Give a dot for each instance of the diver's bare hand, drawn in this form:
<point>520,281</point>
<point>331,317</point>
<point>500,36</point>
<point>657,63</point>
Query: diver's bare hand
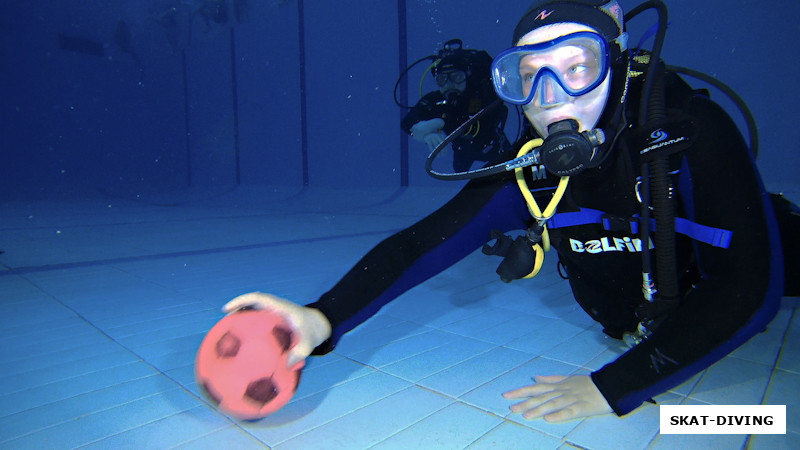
<point>310,323</point>
<point>559,398</point>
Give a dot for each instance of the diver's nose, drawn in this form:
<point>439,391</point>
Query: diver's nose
<point>550,91</point>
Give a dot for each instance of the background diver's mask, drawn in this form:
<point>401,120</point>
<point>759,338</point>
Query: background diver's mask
<point>451,83</point>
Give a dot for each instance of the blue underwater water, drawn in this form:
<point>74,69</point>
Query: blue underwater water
<point>158,95</point>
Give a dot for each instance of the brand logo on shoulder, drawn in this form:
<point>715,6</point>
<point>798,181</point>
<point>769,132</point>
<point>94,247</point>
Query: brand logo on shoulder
<point>606,244</point>
<point>658,135</point>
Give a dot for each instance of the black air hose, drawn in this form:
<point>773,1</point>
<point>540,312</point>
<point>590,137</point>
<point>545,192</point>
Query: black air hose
<point>661,191</point>
<point>658,190</point>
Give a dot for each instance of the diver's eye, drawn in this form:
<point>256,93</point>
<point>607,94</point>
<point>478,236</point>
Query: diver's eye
<point>527,78</point>
<point>578,69</point>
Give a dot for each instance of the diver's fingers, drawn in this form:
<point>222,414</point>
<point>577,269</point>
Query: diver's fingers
<point>255,300</point>
<point>541,387</point>
<point>298,355</point>
<point>549,378</point>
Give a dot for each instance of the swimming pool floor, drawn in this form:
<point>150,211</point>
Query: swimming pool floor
<point>105,299</point>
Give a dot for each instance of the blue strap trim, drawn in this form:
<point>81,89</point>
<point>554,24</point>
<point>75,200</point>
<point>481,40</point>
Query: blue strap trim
<point>712,236</point>
<point>572,219</point>
<point>717,237</point>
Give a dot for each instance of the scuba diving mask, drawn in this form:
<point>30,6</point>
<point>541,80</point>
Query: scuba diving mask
<point>451,84</point>
<point>454,77</point>
<point>573,64</point>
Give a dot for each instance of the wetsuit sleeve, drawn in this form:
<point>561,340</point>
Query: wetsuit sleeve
<point>741,286</point>
<point>421,251</point>
<point>425,109</point>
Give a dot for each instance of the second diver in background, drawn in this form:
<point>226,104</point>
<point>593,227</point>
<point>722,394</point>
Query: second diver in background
<point>464,88</point>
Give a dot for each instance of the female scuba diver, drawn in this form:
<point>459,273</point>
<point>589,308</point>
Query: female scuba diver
<point>661,245</point>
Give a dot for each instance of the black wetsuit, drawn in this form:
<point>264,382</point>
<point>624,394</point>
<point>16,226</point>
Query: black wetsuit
<point>729,294</point>
<point>486,140</point>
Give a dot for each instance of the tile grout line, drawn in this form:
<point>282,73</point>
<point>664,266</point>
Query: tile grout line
<point>128,259</point>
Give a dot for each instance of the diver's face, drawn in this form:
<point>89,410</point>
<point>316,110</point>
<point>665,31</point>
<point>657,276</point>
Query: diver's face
<point>451,83</point>
<point>551,104</point>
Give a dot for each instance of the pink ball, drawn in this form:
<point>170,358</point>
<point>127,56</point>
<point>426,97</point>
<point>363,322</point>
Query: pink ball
<point>241,364</point>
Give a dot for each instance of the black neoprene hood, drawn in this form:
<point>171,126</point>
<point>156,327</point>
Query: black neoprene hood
<point>604,16</point>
